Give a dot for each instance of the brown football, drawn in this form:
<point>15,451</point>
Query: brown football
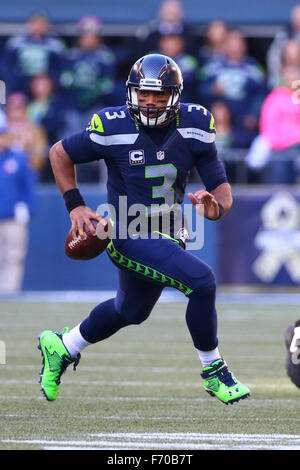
<point>92,246</point>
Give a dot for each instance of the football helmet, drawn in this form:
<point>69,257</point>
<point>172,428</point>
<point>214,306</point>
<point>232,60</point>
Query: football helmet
<point>154,72</point>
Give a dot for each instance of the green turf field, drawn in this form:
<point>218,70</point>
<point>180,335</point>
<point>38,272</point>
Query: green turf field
<point>141,389</point>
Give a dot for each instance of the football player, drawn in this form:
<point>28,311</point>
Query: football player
<point>149,146</point>
<point>292,342</point>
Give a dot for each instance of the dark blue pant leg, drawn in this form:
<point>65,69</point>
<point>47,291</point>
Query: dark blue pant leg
<point>167,263</point>
<point>133,304</point>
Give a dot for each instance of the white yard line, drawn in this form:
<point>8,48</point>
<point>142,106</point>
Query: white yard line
<point>171,441</point>
<point>196,436</point>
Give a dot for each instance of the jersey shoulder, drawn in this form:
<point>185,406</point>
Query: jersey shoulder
<point>195,117</point>
<point>112,120</point>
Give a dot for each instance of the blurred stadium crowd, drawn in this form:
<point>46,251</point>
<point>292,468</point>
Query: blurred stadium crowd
<point>54,85</point>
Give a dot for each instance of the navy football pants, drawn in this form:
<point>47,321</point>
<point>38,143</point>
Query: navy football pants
<point>145,268</point>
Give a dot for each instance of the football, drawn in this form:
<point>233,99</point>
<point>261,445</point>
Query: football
<point>92,246</point>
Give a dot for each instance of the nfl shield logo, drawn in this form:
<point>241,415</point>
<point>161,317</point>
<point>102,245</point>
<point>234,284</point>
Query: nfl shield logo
<point>160,155</point>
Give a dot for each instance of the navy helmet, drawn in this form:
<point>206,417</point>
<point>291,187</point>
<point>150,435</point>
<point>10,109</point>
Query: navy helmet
<point>154,72</point>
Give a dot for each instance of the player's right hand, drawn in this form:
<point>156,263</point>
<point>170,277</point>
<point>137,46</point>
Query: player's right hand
<point>82,215</point>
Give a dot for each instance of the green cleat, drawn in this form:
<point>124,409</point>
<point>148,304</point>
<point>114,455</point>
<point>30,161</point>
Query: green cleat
<point>56,359</point>
<point>220,382</point>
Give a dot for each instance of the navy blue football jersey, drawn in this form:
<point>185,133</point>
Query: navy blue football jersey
<point>146,171</point>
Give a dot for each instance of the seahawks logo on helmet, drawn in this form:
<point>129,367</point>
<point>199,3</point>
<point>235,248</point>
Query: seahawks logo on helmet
<point>154,72</point>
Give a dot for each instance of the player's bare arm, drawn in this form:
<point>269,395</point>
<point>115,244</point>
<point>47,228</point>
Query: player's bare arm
<point>65,177</point>
<point>210,201</point>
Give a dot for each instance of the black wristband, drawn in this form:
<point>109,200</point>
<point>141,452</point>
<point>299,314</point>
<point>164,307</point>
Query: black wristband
<point>73,199</point>
<point>221,211</point>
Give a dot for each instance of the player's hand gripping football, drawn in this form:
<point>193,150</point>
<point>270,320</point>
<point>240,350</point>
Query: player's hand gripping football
<point>82,215</point>
<point>205,204</point>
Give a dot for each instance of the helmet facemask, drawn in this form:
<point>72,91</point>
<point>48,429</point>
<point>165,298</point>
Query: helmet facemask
<point>153,116</point>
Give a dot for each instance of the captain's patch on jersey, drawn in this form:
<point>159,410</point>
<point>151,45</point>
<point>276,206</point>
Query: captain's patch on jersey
<point>136,157</point>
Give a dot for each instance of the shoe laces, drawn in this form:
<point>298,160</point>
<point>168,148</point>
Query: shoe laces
<point>225,376</point>
<point>221,371</point>
<point>65,363</point>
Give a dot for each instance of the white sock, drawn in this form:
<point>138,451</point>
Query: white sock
<point>74,341</point>
<point>207,357</point>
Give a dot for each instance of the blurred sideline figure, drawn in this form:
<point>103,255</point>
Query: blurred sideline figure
<point>173,45</point>
<point>88,83</point>
<point>215,40</point>
<point>26,136</point>
<point>290,55</point>
<point>32,54</point>
<point>276,151</point>
<point>227,138</point>
<point>46,109</point>
<point>17,183</point>
<point>292,343</point>
<point>274,54</point>
<point>88,75</point>
<point>236,79</point>
<point>170,20</point>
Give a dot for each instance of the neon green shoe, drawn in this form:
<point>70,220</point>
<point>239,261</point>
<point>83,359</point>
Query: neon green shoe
<point>56,359</point>
<point>220,382</point>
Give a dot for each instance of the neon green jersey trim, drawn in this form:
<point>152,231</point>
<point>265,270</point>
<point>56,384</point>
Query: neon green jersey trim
<point>151,273</point>
<point>96,123</point>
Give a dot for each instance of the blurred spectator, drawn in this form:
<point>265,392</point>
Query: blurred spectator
<point>46,109</point>
<point>88,74</point>
<point>276,152</point>
<point>290,55</point>
<point>228,139</point>
<point>25,135</point>
<point>227,136</point>
<point>170,20</point>
<point>17,185</point>
<point>238,80</point>
<point>173,46</point>
<point>214,47</point>
<point>34,53</point>
<point>88,81</point>
<point>274,54</point>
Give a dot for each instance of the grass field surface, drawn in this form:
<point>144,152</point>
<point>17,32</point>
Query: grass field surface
<point>141,388</point>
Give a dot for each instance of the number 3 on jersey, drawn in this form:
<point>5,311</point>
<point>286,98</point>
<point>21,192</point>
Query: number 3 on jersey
<point>166,191</point>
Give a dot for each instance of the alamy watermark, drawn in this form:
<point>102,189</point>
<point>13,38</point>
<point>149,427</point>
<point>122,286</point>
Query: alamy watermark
<point>180,222</point>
